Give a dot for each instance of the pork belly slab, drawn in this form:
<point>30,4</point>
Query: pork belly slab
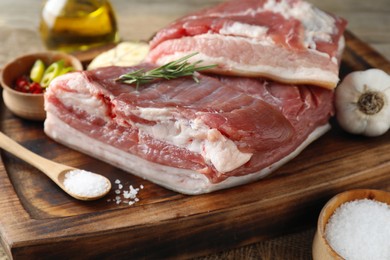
<point>285,40</point>
<point>188,137</point>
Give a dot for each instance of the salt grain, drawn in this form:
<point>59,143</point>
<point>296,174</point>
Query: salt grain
<point>85,183</point>
<point>360,230</point>
<point>126,196</point>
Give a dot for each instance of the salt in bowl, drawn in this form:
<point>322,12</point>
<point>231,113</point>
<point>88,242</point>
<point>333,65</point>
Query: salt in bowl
<point>322,249</point>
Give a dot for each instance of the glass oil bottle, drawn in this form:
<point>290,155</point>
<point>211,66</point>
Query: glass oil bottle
<point>74,25</point>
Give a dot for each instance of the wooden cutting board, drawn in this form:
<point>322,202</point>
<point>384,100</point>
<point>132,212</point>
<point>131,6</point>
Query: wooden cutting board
<point>37,220</point>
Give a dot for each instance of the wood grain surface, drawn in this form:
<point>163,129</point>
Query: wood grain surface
<point>38,221</point>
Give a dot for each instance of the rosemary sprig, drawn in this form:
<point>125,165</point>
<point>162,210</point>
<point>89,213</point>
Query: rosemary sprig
<point>174,69</point>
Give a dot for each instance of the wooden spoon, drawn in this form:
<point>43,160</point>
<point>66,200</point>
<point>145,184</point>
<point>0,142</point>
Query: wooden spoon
<point>53,170</point>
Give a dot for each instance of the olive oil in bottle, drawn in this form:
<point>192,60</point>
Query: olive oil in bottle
<point>71,25</point>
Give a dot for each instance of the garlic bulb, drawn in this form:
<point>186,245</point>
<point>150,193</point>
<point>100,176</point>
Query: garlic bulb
<point>363,102</point>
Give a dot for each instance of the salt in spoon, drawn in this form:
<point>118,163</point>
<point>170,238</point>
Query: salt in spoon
<point>57,171</point>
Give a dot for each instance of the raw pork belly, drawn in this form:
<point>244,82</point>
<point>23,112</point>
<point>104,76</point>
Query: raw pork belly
<point>287,40</point>
<point>186,136</point>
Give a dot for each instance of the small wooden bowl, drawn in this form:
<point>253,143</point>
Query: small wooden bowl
<point>25,105</point>
<point>321,248</point>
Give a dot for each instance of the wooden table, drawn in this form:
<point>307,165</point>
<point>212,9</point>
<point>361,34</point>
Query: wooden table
<point>138,20</point>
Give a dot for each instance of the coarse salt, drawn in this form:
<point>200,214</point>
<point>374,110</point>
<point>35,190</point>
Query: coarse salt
<point>360,229</point>
<point>85,183</point>
<point>126,196</point>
